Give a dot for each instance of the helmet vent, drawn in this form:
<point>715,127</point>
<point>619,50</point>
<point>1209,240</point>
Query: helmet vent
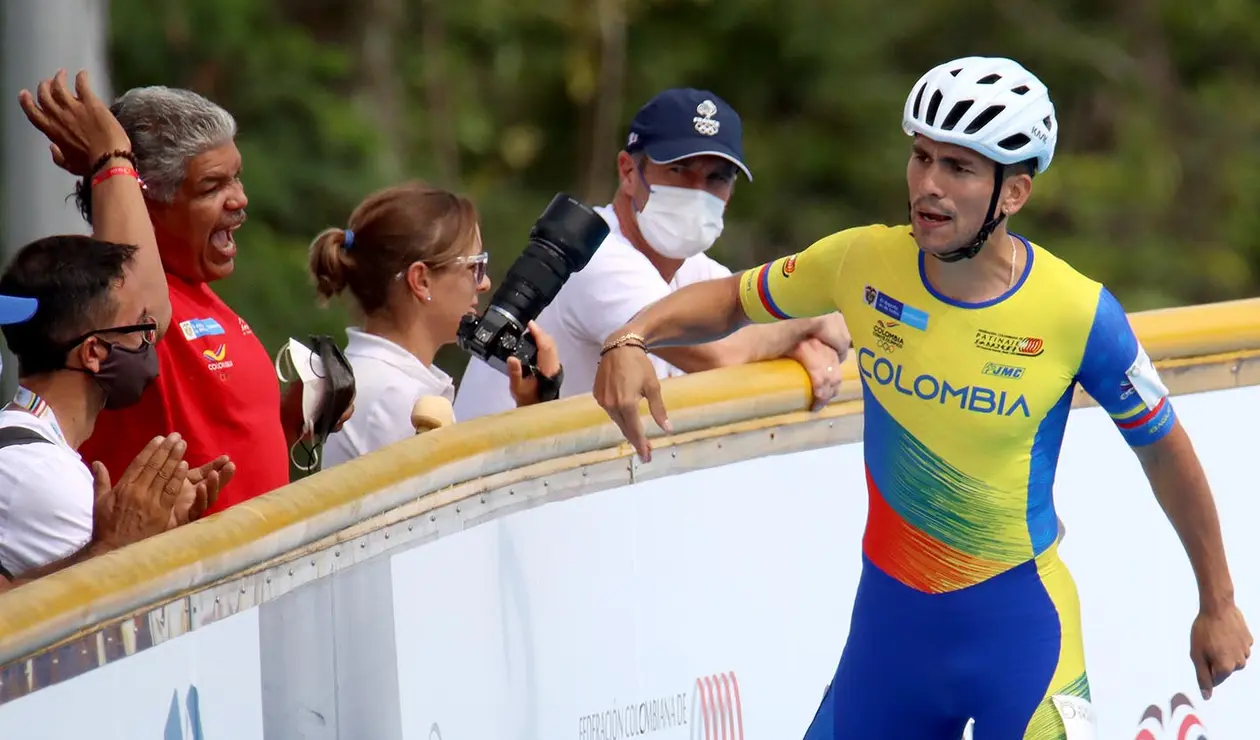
<point>956,113</point>
<point>1020,90</point>
<point>985,118</point>
<point>918,100</point>
<point>1013,142</point>
<point>988,79</point>
<point>933,105</point>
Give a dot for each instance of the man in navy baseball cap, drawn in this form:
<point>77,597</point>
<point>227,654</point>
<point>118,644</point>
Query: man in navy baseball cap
<point>682,123</point>
<point>682,158</point>
<point>683,154</point>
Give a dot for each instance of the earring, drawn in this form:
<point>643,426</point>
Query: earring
<point>428,298</point>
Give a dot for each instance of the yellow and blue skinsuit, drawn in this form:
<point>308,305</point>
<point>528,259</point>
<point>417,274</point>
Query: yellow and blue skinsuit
<point>964,609</point>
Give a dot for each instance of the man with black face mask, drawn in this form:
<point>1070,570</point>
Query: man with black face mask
<point>89,345</point>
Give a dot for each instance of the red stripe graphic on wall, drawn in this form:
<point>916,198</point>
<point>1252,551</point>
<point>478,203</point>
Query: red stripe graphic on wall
<point>715,699</point>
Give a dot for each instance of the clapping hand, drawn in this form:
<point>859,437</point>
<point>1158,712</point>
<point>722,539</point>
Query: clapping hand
<point>142,504</point>
<point>201,489</point>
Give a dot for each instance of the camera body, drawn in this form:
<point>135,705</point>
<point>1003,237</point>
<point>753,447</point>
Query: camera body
<point>495,336</point>
<point>562,242</point>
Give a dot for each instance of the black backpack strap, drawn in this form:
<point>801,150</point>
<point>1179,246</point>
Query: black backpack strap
<point>10,436</point>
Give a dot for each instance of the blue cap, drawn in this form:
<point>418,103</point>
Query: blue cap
<point>684,122</point>
<point>16,310</point>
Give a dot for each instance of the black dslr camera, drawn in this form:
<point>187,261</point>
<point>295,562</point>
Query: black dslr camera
<point>562,241</point>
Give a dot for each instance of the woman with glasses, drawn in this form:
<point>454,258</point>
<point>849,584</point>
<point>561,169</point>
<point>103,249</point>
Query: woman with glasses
<point>411,258</point>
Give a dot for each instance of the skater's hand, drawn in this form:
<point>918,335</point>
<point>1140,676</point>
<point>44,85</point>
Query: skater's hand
<point>1220,644</point>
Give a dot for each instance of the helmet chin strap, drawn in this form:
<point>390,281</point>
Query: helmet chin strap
<point>992,221</point>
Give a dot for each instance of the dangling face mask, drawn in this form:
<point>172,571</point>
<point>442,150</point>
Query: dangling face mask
<point>681,222</point>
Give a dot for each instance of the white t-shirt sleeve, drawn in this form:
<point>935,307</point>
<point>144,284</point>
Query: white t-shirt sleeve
<point>608,293</point>
<point>46,501</point>
<point>482,391</point>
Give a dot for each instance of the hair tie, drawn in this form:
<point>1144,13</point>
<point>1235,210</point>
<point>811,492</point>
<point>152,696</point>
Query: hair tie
<point>348,241</point>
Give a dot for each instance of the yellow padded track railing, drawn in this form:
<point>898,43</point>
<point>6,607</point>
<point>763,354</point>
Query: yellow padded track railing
<point>111,586</point>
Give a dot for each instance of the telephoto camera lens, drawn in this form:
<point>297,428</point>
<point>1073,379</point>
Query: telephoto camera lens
<point>562,242</point>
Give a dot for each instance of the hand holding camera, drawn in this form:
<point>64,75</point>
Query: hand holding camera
<point>528,390</point>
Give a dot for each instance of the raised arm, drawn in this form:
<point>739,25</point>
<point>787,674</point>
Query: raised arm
<point>82,131</point>
<point>1119,375</point>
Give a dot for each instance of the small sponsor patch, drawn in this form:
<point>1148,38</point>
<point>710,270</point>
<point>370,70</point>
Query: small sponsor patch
<point>217,359</point>
<point>1144,378</point>
<point>885,338</point>
<point>895,309</point>
<point>196,328</point>
<point>1008,344</point>
<point>997,370</point>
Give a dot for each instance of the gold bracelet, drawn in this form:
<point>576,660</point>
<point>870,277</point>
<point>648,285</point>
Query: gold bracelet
<point>632,340</point>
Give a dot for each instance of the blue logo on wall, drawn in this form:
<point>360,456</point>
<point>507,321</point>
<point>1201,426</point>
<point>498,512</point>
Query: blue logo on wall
<point>184,725</point>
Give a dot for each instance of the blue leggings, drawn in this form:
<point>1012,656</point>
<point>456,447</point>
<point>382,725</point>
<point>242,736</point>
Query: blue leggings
<point>918,666</point>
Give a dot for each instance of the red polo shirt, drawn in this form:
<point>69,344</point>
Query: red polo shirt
<point>217,388</point>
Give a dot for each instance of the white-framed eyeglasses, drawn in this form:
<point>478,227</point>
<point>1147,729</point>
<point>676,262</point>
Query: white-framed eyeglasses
<point>477,262</point>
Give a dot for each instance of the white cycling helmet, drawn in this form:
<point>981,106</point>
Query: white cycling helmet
<point>991,105</point>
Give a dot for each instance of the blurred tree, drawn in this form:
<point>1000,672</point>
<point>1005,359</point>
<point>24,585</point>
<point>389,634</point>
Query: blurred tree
<point>509,102</point>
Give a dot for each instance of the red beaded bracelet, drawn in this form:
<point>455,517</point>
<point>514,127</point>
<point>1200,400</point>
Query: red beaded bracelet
<point>106,174</point>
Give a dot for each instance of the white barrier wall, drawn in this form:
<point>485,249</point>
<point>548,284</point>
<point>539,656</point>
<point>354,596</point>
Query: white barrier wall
<point>631,595</point>
<point>711,604</point>
<point>204,686</point>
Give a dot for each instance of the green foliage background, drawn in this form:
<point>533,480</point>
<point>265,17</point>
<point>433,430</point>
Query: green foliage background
<point>1152,191</point>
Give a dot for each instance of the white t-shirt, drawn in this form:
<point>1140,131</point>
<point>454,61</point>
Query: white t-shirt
<point>616,284</point>
<point>388,381</point>
<point>46,494</point>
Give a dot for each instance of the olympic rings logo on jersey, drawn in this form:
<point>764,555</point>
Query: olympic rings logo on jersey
<point>885,339</point>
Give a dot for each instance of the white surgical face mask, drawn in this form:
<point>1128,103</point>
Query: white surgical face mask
<point>308,369</point>
<point>681,222</point>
